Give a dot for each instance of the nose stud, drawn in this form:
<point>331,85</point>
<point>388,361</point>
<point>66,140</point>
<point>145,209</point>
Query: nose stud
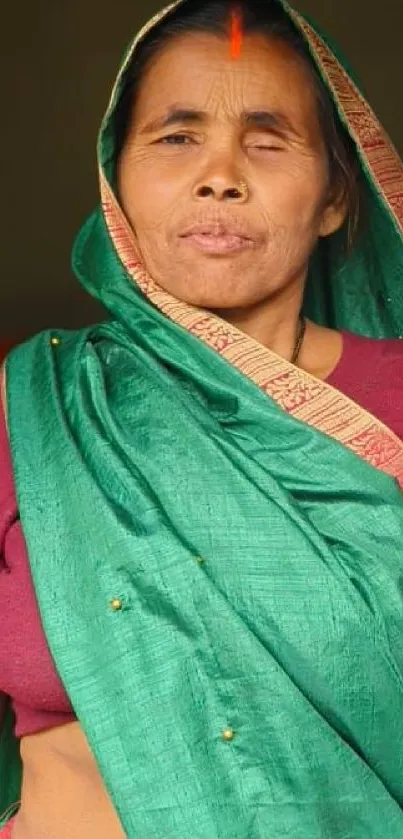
<point>243,189</point>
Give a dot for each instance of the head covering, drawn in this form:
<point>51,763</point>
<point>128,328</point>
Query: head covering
<point>363,293</point>
<point>211,570</point>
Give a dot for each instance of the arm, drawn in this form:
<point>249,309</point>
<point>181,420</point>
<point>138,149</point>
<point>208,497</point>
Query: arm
<point>10,761</point>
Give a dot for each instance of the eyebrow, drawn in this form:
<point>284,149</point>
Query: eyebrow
<point>267,120</point>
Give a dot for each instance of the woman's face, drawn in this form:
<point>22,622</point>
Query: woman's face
<point>202,123</point>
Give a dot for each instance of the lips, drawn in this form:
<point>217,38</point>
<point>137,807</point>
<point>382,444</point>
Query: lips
<point>217,237</point>
<point>217,228</point>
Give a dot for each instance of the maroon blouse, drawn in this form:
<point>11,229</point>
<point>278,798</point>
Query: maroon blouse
<point>370,372</point>
<point>27,672</point>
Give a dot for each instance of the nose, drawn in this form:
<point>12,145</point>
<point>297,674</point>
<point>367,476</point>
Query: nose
<point>221,187</point>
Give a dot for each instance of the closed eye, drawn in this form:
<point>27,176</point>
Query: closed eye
<point>267,147</point>
<point>264,141</point>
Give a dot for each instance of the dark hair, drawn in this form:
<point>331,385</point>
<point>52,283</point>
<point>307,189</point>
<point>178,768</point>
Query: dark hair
<point>266,17</point>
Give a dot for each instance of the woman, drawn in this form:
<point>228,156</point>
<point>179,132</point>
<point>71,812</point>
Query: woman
<point>208,484</point>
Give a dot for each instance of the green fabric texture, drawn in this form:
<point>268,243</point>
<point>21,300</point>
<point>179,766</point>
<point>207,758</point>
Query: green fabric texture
<point>258,563</point>
<point>10,767</point>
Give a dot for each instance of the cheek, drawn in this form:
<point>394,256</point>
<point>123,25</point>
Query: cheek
<point>148,198</point>
<point>293,195</point>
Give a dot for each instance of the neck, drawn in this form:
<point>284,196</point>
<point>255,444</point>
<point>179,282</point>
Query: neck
<point>272,323</point>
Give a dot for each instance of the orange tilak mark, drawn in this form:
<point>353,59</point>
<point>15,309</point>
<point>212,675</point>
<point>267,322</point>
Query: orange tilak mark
<point>236,36</point>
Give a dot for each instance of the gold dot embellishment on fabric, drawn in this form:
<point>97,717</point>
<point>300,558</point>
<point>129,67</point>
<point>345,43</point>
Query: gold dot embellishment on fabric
<point>200,559</point>
<point>116,604</point>
<point>228,734</point>
<point>55,341</point>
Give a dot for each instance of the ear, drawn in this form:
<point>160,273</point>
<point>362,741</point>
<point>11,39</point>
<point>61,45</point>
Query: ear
<point>334,215</point>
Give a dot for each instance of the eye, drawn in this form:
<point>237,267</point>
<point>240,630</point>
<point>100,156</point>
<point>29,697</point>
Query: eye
<point>265,143</point>
<point>267,147</point>
<point>176,140</point>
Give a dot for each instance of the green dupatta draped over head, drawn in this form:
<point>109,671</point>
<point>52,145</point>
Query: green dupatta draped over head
<point>251,684</point>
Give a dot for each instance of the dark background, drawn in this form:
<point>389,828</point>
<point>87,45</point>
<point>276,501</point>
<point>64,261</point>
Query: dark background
<point>60,58</point>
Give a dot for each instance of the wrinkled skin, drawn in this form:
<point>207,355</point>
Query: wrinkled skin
<point>171,177</point>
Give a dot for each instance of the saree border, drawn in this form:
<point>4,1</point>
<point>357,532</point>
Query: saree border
<point>379,154</point>
<point>306,398</point>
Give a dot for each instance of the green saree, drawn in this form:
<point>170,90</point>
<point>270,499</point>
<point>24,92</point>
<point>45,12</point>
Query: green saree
<point>217,561</point>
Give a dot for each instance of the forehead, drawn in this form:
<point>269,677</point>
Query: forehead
<point>198,70</point>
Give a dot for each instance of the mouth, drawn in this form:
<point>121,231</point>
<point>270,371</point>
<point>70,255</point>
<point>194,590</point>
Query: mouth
<point>224,243</point>
<point>217,239</point>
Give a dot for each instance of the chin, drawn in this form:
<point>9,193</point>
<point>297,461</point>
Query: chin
<point>216,295</point>
<point>213,302</point>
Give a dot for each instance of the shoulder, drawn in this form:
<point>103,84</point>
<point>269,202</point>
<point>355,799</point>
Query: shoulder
<point>44,364</point>
<point>48,347</point>
<point>379,346</point>
<point>379,362</point>
<point>370,372</point>
<point>51,339</point>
